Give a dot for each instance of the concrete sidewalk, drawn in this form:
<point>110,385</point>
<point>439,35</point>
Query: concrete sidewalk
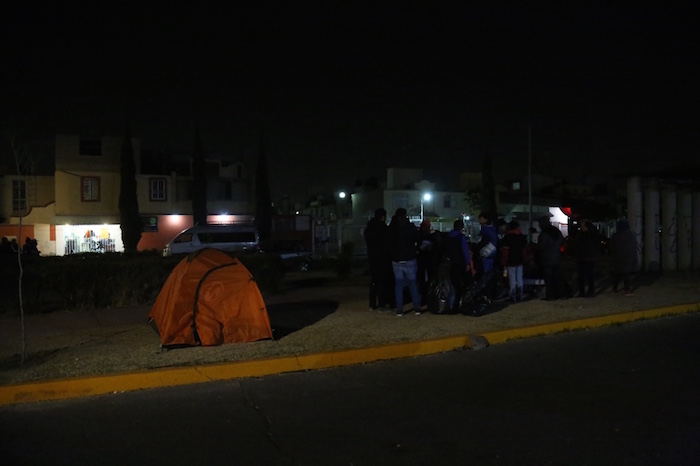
<point>100,385</point>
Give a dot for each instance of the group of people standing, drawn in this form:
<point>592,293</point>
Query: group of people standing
<point>405,257</point>
<point>30,246</point>
<point>587,244</point>
<point>392,252</point>
<point>402,256</point>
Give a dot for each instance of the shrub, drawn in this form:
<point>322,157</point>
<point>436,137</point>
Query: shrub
<point>90,281</point>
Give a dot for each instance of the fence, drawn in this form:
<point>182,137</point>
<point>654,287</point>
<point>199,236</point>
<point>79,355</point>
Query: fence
<point>76,245</point>
<point>330,235</point>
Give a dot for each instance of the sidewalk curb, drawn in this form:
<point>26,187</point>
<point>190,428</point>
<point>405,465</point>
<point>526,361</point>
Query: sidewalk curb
<point>100,385</point>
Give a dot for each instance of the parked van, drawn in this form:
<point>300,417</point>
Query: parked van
<point>223,237</point>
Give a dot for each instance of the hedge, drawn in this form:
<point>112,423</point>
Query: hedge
<point>91,281</point>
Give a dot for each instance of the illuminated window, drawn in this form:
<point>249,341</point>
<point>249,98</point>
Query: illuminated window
<point>19,196</point>
<point>90,188</point>
<point>158,189</point>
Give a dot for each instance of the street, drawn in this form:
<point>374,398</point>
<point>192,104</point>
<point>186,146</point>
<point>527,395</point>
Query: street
<point>619,395</point>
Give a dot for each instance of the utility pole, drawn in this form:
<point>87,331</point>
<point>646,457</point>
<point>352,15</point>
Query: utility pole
<point>529,180</point>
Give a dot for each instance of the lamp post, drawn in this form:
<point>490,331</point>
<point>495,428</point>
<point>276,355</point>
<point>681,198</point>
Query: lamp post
<point>341,195</point>
<point>425,198</point>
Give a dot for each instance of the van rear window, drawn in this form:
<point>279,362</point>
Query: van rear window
<point>227,237</point>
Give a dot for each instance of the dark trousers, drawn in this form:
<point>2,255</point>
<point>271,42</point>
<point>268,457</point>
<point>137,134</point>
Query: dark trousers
<point>551,275</point>
<point>461,279</point>
<point>427,272</point>
<point>624,276</point>
<point>585,271</point>
<point>381,287</point>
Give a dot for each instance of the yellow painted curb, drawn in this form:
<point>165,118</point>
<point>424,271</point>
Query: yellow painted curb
<point>502,336</point>
<point>105,384</point>
<point>101,385</point>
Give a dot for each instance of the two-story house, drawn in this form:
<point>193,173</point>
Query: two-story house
<point>77,209</point>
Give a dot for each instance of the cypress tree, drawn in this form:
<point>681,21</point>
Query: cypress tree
<point>263,198</point>
<point>128,201</point>
<point>488,189</point>
<point>199,182</point>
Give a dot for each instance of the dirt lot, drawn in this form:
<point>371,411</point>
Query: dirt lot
<point>314,313</point>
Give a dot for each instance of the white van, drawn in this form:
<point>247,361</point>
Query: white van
<point>223,237</point>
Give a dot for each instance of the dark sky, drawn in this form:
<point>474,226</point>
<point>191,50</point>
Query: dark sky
<point>341,93</point>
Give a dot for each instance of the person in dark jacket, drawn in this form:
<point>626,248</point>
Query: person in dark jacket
<point>549,257</point>
<point>457,251</point>
<point>513,247</point>
<point>402,238</point>
<point>625,259</point>
<point>428,257</point>
<point>381,277</point>
<point>586,252</point>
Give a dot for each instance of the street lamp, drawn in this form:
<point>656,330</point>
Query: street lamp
<point>426,197</point>
<point>341,195</point>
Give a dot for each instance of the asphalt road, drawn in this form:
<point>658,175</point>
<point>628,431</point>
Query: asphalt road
<point>620,395</point>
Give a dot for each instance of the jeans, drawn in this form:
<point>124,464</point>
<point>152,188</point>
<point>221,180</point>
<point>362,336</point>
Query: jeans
<point>515,278</point>
<point>405,273</point>
<point>488,263</point>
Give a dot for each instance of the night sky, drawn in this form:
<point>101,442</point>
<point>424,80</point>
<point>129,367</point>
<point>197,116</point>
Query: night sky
<point>339,94</point>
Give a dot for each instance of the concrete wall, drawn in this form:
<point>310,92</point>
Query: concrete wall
<point>665,217</point>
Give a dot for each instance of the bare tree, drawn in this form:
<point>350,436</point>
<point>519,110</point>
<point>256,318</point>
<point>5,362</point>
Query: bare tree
<point>25,156</point>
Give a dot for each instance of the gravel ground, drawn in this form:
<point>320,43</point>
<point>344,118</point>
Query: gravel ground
<point>314,313</point>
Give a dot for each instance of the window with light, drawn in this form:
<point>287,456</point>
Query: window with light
<point>90,191</point>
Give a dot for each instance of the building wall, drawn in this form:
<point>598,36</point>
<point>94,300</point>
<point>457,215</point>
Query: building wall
<point>68,156</point>
<point>401,178</point>
<point>40,192</point>
<point>13,231</point>
<point>435,207</point>
<point>169,226</point>
<point>65,223</point>
<point>68,194</point>
<point>143,192</point>
<point>72,166</point>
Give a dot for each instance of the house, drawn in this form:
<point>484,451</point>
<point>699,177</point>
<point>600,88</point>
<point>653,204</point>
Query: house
<point>405,187</point>
<point>77,209</point>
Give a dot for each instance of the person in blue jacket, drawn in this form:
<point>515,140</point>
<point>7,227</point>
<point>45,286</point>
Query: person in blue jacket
<point>489,242</point>
<point>457,251</point>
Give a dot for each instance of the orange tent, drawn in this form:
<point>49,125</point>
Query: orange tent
<point>210,298</point>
